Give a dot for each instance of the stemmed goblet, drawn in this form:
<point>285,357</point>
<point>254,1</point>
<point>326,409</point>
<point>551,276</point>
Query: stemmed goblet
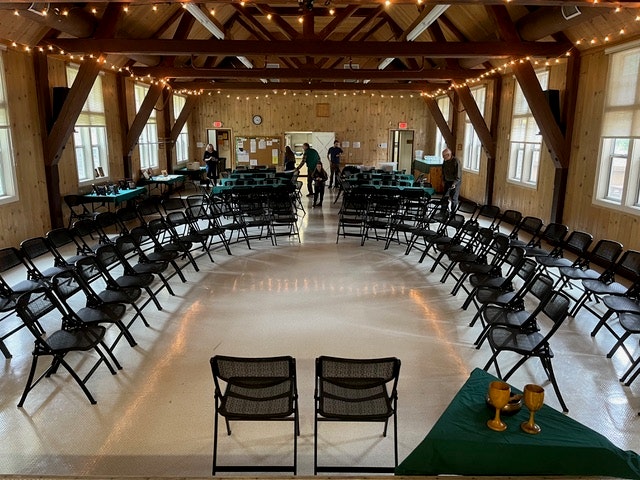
<point>533,399</point>
<point>499,394</point>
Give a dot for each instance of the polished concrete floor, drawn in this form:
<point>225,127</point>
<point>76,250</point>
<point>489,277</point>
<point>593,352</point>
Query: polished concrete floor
<point>154,418</point>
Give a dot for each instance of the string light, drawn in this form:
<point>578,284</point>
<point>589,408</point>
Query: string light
<point>608,38</point>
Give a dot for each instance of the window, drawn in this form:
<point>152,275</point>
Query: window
<point>526,141</point>
<point>618,178</point>
<point>90,133</point>
<point>182,142</point>
<point>148,141</point>
<point>472,145</point>
<point>7,171</point>
<point>444,105</point>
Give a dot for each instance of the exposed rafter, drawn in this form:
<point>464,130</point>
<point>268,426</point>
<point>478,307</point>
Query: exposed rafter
<point>311,48</point>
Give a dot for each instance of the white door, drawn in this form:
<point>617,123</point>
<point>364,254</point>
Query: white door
<point>322,142</point>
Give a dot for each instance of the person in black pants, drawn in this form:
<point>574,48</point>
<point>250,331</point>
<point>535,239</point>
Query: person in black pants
<point>452,173</point>
<point>210,160</point>
<point>319,177</point>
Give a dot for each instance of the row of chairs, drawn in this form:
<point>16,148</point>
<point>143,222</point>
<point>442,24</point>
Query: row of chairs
<point>265,389</point>
<point>464,242</point>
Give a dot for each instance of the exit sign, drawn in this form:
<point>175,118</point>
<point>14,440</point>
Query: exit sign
<point>402,125</point>
<point>217,124</point>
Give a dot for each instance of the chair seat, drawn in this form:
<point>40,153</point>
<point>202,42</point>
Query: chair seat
<point>150,268</point>
<point>620,304</point>
<point>103,313</point>
<point>600,288</point>
<point>630,322</point>
<point>498,297</point>
<point>503,316</point>
<point>358,399</point>
<point>512,340</point>
<point>554,262</point>
<point>127,295</point>
<point>258,398</point>
<point>142,280</point>
<point>66,340</point>
<point>575,273</point>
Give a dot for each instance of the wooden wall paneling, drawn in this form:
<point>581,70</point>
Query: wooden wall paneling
<point>29,216</point>
<point>354,118</point>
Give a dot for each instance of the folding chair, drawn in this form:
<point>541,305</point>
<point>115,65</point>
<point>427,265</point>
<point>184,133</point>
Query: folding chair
<point>531,344</point>
<point>257,390</point>
<point>57,344</point>
<point>356,390</point>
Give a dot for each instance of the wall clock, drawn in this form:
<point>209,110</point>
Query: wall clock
<point>257,119</point>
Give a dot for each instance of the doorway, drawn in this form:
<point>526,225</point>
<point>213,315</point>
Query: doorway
<point>220,138</point>
<point>320,141</point>
<point>401,148</point>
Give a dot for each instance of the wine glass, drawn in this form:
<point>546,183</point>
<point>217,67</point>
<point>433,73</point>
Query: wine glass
<point>533,399</point>
<point>499,394</point>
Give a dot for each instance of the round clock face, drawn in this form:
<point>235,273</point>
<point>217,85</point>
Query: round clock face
<point>257,119</point>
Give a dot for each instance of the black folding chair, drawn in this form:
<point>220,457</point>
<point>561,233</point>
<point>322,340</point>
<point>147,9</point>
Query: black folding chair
<point>356,390</point>
<point>255,389</point>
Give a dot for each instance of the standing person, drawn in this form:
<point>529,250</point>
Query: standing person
<point>319,177</point>
<point>333,155</point>
<point>210,160</point>
<point>289,159</point>
<point>452,174</point>
<point>311,158</point>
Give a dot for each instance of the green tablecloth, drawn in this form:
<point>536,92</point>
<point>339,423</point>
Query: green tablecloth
<point>122,196</point>
<point>460,443</point>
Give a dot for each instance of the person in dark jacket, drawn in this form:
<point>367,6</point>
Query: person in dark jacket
<point>319,177</point>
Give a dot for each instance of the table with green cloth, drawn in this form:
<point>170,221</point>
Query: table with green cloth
<point>115,198</point>
<point>460,443</point>
<point>165,183</point>
<point>192,175</point>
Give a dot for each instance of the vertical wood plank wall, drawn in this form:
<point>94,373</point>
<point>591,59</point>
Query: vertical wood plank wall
<point>354,118</point>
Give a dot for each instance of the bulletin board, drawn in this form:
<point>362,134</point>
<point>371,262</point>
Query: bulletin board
<point>254,151</point>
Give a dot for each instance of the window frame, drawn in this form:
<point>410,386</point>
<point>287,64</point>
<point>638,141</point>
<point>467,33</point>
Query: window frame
<point>90,144</point>
<point>148,141</point>
<point>619,116</point>
<point>525,154</point>
<point>8,181</point>
<point>444,104</point>
<point>182,140</point>
<point>472,144</point>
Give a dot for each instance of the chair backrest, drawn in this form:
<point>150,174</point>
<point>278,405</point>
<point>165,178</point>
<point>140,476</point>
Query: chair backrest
<point>510,217</point>
<point>578,243</point>
<point>528,224</point>
<point>605,253</point>
<point>468,207</point>
<point>10,258</point>
<point>541,287</point>
<point>89,269</point>
<point>628,266</point>
<point>357,373</point>
<point>254,373</point>
<point>31,307</point>
<point>33,248</point>
<point>172,204</point>
<point>490,213</point>
<point>554,233</point>
<point>556,308</point>
<point>108,224</point>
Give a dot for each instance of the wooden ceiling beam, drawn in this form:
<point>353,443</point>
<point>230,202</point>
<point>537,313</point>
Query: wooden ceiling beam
<point>441,123</point>
<point>340,17</point>
<point>304,86</point>
<point>305,73</point>
<point>314,48</point>
<point>287,30</point>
